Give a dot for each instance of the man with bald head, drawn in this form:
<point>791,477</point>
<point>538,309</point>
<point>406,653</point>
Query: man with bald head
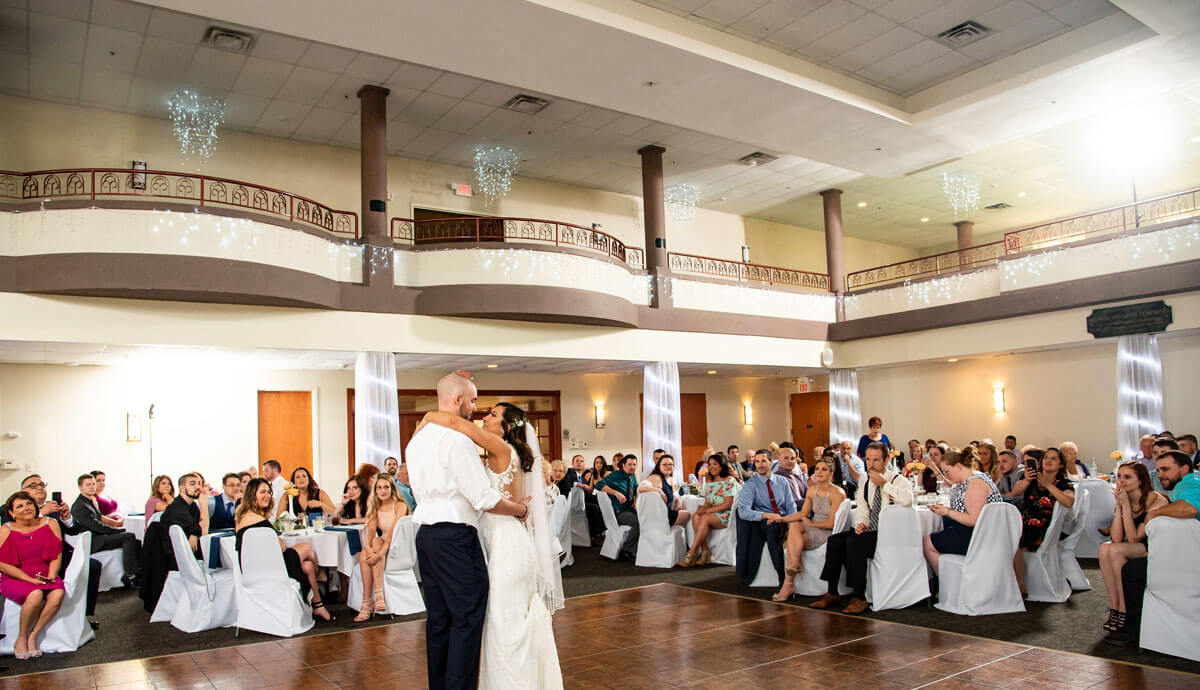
<point>451,488</point>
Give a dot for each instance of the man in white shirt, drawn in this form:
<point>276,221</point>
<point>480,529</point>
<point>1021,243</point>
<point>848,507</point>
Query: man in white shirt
<point>451,488</point>
<point>272,472</point>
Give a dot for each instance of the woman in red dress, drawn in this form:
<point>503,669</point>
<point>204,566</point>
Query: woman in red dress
<point>30,558</point>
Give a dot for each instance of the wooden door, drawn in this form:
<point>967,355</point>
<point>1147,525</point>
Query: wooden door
<point>285,425</point>
<point>810,421</point>
<point>693,432</point>
<point>546,424</point>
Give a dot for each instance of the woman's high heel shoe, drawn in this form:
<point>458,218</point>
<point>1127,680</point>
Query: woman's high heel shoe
<point>380,602</point>
<point>705,557</point>
<point>688,561</point>
<point>367,611</point>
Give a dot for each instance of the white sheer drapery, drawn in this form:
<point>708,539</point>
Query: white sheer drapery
<point>376,409</point>
<point>845,416</point>
<point>661,418</point>
<point>1139,390</point>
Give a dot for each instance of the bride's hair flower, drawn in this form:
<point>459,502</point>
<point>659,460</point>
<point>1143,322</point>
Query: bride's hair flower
<point>517,423</point>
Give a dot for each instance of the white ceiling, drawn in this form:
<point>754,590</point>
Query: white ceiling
<point>890,43</point>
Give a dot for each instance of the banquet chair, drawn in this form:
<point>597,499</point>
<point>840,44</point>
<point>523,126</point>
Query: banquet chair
<point>1101,506</point>
<point>268,601</point>
<point>1066,548</point>
<point>560,522</point>
<point>400,588</point>
<point>195,598</point>
<point>897,575</point>
<point>69,630</point>
<point>1171,605</point>
<point>723,542</point>
<point>659,544</point>
<point>810,584</point>
<point>1043,568</point>
<point>766,575</point>
<point>982,582</point>
<point>112,566</point>
<point>580,535</point>
<point>614,534</point>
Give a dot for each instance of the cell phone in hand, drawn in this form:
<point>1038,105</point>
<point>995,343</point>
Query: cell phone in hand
<point>56,496</point>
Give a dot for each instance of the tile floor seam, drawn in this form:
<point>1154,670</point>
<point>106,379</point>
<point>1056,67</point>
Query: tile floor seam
<point>989,663</point>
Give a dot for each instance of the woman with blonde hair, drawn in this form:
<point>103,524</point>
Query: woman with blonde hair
<point>989,460</point>
<point>384,508</point>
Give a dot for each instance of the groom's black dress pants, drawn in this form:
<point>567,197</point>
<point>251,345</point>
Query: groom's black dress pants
<point>455,579</point>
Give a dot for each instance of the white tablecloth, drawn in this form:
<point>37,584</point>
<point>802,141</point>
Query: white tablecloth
<point>930,521</point>
<point>136,525</point>
<point>331,547</point>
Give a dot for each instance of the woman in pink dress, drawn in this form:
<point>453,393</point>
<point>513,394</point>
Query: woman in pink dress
<point>107,506</point>
<point>30,557</point>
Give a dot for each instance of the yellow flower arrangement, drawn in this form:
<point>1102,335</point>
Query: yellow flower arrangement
<point>1116,455</point>
<point>895,453</point>
<point>920,466</point>
<point>773,445</point>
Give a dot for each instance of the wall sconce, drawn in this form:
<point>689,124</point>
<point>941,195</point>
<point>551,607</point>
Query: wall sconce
<point>997,399</point>
<point>599,415</point>
<point>748,411</point>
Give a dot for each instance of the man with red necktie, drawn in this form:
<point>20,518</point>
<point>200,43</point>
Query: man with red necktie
<point>762,501</point>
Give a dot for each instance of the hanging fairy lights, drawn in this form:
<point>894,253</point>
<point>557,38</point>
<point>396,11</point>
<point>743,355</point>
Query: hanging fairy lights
<point>681,200</point>
<point>962,191</point>
<point>494,170</point>
<point>196,119</point>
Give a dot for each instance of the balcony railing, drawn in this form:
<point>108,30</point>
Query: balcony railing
<point>1109,221</point>
<point>481,230</point>
<point>201,190</point>
<point>747,272</point>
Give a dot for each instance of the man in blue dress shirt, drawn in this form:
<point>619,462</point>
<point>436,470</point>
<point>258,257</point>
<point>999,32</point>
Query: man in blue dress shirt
<point>222,507</point>
<point>762,501</point>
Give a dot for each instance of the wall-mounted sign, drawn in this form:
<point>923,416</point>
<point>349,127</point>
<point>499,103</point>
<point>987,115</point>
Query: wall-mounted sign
<point>1130,319</point>
<point>461,189</point>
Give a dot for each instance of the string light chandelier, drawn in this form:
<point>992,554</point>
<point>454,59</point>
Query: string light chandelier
<point>494,170</point>
<point>196,120</point>
<point>962,191</point>
<point>681,200</point>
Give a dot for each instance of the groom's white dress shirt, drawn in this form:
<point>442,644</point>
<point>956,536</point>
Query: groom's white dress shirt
<point>447,478</point>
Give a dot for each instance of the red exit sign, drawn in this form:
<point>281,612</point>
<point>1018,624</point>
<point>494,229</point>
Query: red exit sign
<point>462,189</point>
<point>802,387</point>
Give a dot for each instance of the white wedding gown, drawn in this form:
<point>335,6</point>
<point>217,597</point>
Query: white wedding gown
<point>518,640</point>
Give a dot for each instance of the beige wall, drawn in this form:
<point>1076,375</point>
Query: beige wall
<point>776,244</point>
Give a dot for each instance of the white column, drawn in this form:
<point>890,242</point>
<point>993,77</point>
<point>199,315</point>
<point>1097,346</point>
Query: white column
<point>376,409</point>
<point>661,416</point>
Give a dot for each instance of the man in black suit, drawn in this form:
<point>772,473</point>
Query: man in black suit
<point>104,538</point>
<point>185,512</point>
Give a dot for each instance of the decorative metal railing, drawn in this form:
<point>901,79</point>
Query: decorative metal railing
<point>1109,221</point>
<point>98,184</point>
<point>747,272</point>
<point>482,230</point>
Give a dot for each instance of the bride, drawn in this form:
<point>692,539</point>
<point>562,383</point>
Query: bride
<point>525,586</point>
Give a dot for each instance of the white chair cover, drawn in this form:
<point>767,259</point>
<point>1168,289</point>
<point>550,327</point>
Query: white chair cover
<point>723,542</point>
<point>766,575</point>
<point>614,534</point>
<point>1066,548</point>
<point>580,534</point>
<point>1101,506</point>
<point>202,599</point>
<point>1171,606</point>
<point>400,588</point>
<point>155,517</point>
<point>69,630</point>
<point>983,582</point>
<point>112,568</point>
<point>810,584</point>
<point>560,521</point>
<point>268,601</point>
<point>1043,568</point>
<point>898,576</point>
<point>659,546</point>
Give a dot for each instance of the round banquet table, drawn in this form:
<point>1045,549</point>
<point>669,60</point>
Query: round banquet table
<point>136,525</point>
<point>331,547</point>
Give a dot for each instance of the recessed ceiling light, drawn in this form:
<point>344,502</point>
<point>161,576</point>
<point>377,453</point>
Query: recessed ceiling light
<point>862,204</point>
<point>952,359</point>
<point>712,371</point>
<point>1020,195</point>
<point>493,366</point>
<point>925,219</point>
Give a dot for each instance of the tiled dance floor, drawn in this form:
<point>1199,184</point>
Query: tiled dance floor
<point>662,637</point>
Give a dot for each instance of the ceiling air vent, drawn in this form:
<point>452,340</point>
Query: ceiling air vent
<point>228,40</point>
<point>964,34</point>
<point>998,207</point>
<point>756,159</point>
<point>524,103</point>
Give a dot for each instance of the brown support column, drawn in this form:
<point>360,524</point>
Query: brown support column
<point>966,234</point>
<point>655,212</point>
<point>835,260</point>
<point>377,256</point>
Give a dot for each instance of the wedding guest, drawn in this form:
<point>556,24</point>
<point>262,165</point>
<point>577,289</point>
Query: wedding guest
<point>254,512</point>
<point>659,482</point>
<point>108,506</point>
<point>31,557</point>
<point>1010,443</point>
<point>222,508</point>
<point>874,435</point>
<point>1187,445</point>
<point>272,471</point>
<point>761,503</point>
<point>719,493</point>
<point>308,497</point>
<point>60,512</point>
<point>162,492</point>
<point>970,491</point>
<point>353,510</point>
<point>384,509</point>
<point>1011,472</point>
<point>105,538</point>
<point>989,460</point>
<point>810,527</point>
<point>587,482</point>
<point>575,471</point>
<point>244,479</point>
<point>1075,466</point>
<point>915,450</point>
<point>1045,484</point>
<point>560,475</point>
<point>184,511</point>
<point>852,468</point>
<point>550,492</point>
<point>929,443</point>
<point>1145,455</point>
<point>600,470</point>
<point>850,550</point>
<point>791,467</point>
<point>621,487</point>
<point>1135,499</point>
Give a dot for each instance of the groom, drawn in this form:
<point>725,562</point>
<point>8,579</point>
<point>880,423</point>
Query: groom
<point>451,487</point>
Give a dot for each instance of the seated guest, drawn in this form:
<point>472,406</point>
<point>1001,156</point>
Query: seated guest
<point>989,460</point>
<point>970,491</point>
<point>852,467</point>
<point>551,492</point>
<point>353,510</point>
<point>244,479</point>
<point>810,527</point>
<point>761,503</point>
<point>1135,499</point>
<point>162,492</point>
<point>1187,446</point>
<point>1175,475</point>
<point>659,482</point>
<point>1045,484</point>
<point>108,507</point>
<point>1011,471</point>
<point>222,508</point>
<point>185,512</point>
<point>558,475</point>
<point>308,499</point>
<point>384,509</point>
<point>1162,444</point>
<point>621,487</point>
<point>366,472</point>
<point>599,469</point>
<point>575,472</point>
<point>31,559</point>
<point>1075,467</point>
<point>915,450</point>
<point>398,472</point>
<point>719,492</point>
<point>301,563</point>
<point>874,434</point>
<point>791,468</point>
<point>105,538</point>
<point>851,549</point>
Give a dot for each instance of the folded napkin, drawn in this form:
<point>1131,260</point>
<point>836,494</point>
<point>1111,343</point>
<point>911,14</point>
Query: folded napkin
<point>353,538</point>
<point>214,547</point>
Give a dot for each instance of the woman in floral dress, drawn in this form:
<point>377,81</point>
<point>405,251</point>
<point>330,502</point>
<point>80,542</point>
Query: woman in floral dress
<point>1045,484</point>
<point>719,493</point>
